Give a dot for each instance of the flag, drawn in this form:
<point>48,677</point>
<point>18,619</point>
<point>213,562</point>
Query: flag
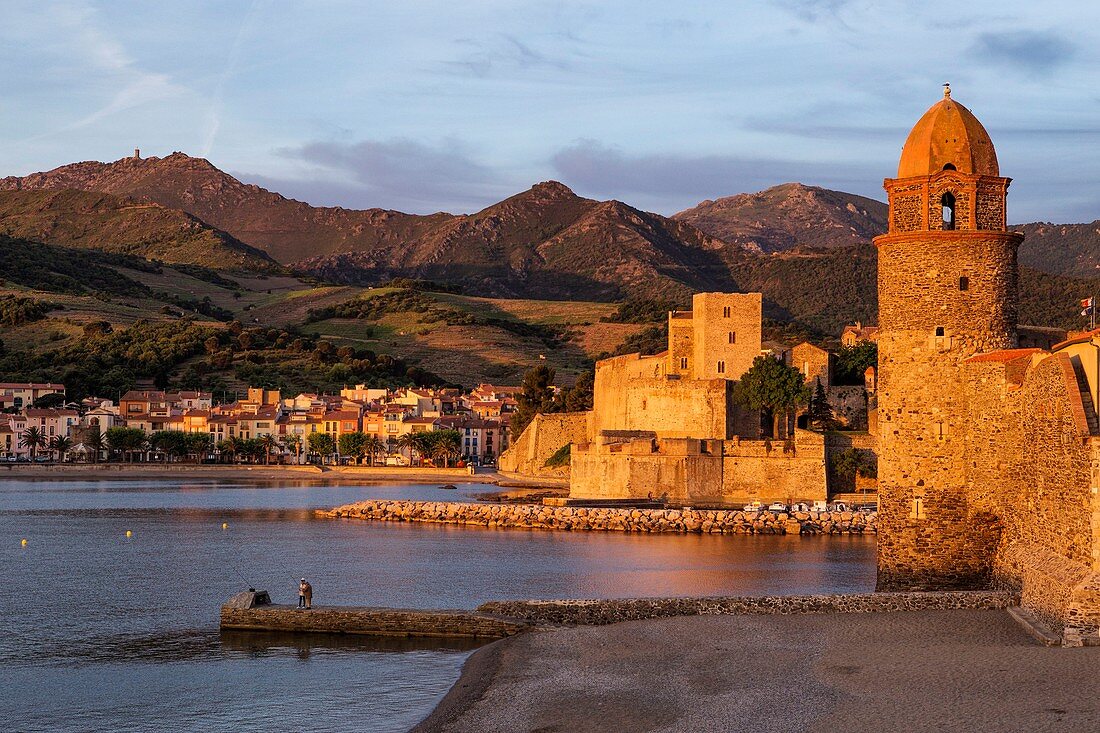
<point>1087,302</point>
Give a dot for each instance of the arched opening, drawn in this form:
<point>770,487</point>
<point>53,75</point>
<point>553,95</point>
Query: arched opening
<point>964,283</point>
<point>947,201</point>
<point>949,167</point>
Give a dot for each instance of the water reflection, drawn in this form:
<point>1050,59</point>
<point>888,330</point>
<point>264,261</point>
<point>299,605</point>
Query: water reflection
<point>260,643</point>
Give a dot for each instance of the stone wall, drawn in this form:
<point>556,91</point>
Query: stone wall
<point>727,334</point>
<point>370,621</point>
<point>613,519</point>
<point>849,404</point>
<point>691,471</point>
<point>599,612</point>
<point>781,470</point>
<point>634,393</point>
<point>544,436</point>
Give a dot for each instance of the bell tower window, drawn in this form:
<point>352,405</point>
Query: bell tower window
<point>949,167</point>
<point>947,201</point>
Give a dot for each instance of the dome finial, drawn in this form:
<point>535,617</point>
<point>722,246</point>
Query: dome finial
<point>947,90</point>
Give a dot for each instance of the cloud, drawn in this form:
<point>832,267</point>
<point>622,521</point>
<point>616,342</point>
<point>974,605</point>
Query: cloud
<point>813,11</point>
<point>398,173</point>
<point>501,53</point>
<point>1035,52</point>
<point>670,182</point>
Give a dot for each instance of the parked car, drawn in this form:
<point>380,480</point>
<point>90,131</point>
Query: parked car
<point>754,506</point>
<point>800,507</point>
<point>777,506</point>
<point>840,507</point>
<point>867,508</point>
<point>819,506</point>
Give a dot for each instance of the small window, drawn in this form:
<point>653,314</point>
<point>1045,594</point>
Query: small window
<point>949,167</point>
<point>683,362</point>
<point>947,201</point>
<point>726,312</point>
<point>721,367</point>
<point>733,337</point>
<point>939,330</point>
<point>964,283</point>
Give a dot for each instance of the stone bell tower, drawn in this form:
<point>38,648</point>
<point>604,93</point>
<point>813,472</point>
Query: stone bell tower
<point>947,291</point>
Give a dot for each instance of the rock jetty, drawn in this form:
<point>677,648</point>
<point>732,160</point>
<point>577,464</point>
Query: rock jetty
<point>612,519</point>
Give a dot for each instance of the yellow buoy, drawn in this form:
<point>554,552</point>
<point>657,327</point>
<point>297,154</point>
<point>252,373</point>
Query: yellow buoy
<point>129,533</point>
<point>23,543</point>
<point>225,525</point>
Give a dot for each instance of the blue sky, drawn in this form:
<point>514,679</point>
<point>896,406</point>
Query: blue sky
<point>425,106</point>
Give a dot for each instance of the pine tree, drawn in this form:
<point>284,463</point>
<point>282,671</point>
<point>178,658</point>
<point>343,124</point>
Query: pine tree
<point>820,413</point>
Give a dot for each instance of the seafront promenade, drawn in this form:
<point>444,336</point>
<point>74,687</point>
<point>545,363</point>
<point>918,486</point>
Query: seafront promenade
<point>260,472</point>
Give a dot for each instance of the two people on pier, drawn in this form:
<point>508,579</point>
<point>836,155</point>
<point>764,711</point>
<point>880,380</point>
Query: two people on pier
<point>305,594</point>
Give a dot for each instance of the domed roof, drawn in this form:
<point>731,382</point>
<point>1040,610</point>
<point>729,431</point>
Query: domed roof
<point>948,135</point>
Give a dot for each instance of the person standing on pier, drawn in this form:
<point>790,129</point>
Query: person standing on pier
<point>305,594</point>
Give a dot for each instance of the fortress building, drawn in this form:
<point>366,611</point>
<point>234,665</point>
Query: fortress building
<point>988,453</point>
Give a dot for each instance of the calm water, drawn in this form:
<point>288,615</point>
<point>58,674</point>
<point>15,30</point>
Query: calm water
<point>102,632</point>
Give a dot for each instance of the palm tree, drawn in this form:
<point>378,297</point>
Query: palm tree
<point>94,441</point>
<point>61,445</point>
<point>447,447</point>
<point>373,447</point>
<point>230,446</point>
<point>268,443</point>
<point>412,442</point>
<point>33,439</point>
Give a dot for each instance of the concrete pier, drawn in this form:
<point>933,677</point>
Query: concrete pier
<point>254,611</point>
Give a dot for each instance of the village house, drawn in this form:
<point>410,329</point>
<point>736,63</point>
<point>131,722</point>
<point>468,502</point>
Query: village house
<point>17,395</point>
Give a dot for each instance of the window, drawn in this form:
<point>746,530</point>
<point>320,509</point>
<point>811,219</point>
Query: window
<point>964,283</point>
<point>721,367</point>
<point>939,331</point>
<point>949,167</point>
<point>947,201</point>
<point>726,312</point>
<point>733,337</point>
<point>683,362</point>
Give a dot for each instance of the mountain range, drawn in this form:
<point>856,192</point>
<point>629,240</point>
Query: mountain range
<point>806,248</point>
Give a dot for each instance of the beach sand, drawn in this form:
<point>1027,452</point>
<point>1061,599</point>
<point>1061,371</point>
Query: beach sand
<point>906,671</point>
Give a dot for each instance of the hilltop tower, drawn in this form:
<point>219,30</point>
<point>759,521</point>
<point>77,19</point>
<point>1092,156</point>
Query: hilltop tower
<point>947,291</point>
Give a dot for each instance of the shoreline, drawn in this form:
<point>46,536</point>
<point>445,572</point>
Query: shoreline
<point>325,474</point>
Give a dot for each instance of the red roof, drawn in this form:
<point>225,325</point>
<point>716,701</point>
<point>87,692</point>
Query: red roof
<point>1078,339</point>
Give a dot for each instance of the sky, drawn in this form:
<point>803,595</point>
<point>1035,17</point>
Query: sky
<point>426,106</point>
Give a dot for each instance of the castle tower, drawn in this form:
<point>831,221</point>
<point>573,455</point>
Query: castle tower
<point>947,291</point>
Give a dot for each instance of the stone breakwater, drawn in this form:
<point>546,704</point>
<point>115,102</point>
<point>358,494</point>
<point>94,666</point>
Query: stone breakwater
<point>612,519</point>
<point>611,611</point>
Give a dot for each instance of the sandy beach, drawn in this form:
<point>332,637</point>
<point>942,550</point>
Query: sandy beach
<point>962,670</point>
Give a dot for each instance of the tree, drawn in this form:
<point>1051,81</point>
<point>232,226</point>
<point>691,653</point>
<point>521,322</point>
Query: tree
<point>93,441</point>
<point>354,445</point>
<point>269,443</point>
<point>773,387</point>
<point>172,443</point>
<point>126,441</point>
<point>32,439</point>
<point>537,396</point>
<point>294,442</point>
<point>852,362</point>
<point>198,444</point>
<point>578,398</point>
<point>448,446</point>
<point>412,442</point>
<point>820,414</point>
<point>61,445</point>
<point>374,446</point>
<point>231,446</point>
<point>321,444</point>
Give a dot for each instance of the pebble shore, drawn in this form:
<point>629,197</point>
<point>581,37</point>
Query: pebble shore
<point>612,519</point>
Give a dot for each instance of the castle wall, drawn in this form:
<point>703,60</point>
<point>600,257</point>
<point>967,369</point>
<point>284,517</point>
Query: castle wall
<point>767,471</point>
<point>681,343</point>
<point>713,472</point>
<point>1034,467</point>
<point>544,436</point>
<point>849,404</point>
<point>634,393</point>
<point>815,363</point>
